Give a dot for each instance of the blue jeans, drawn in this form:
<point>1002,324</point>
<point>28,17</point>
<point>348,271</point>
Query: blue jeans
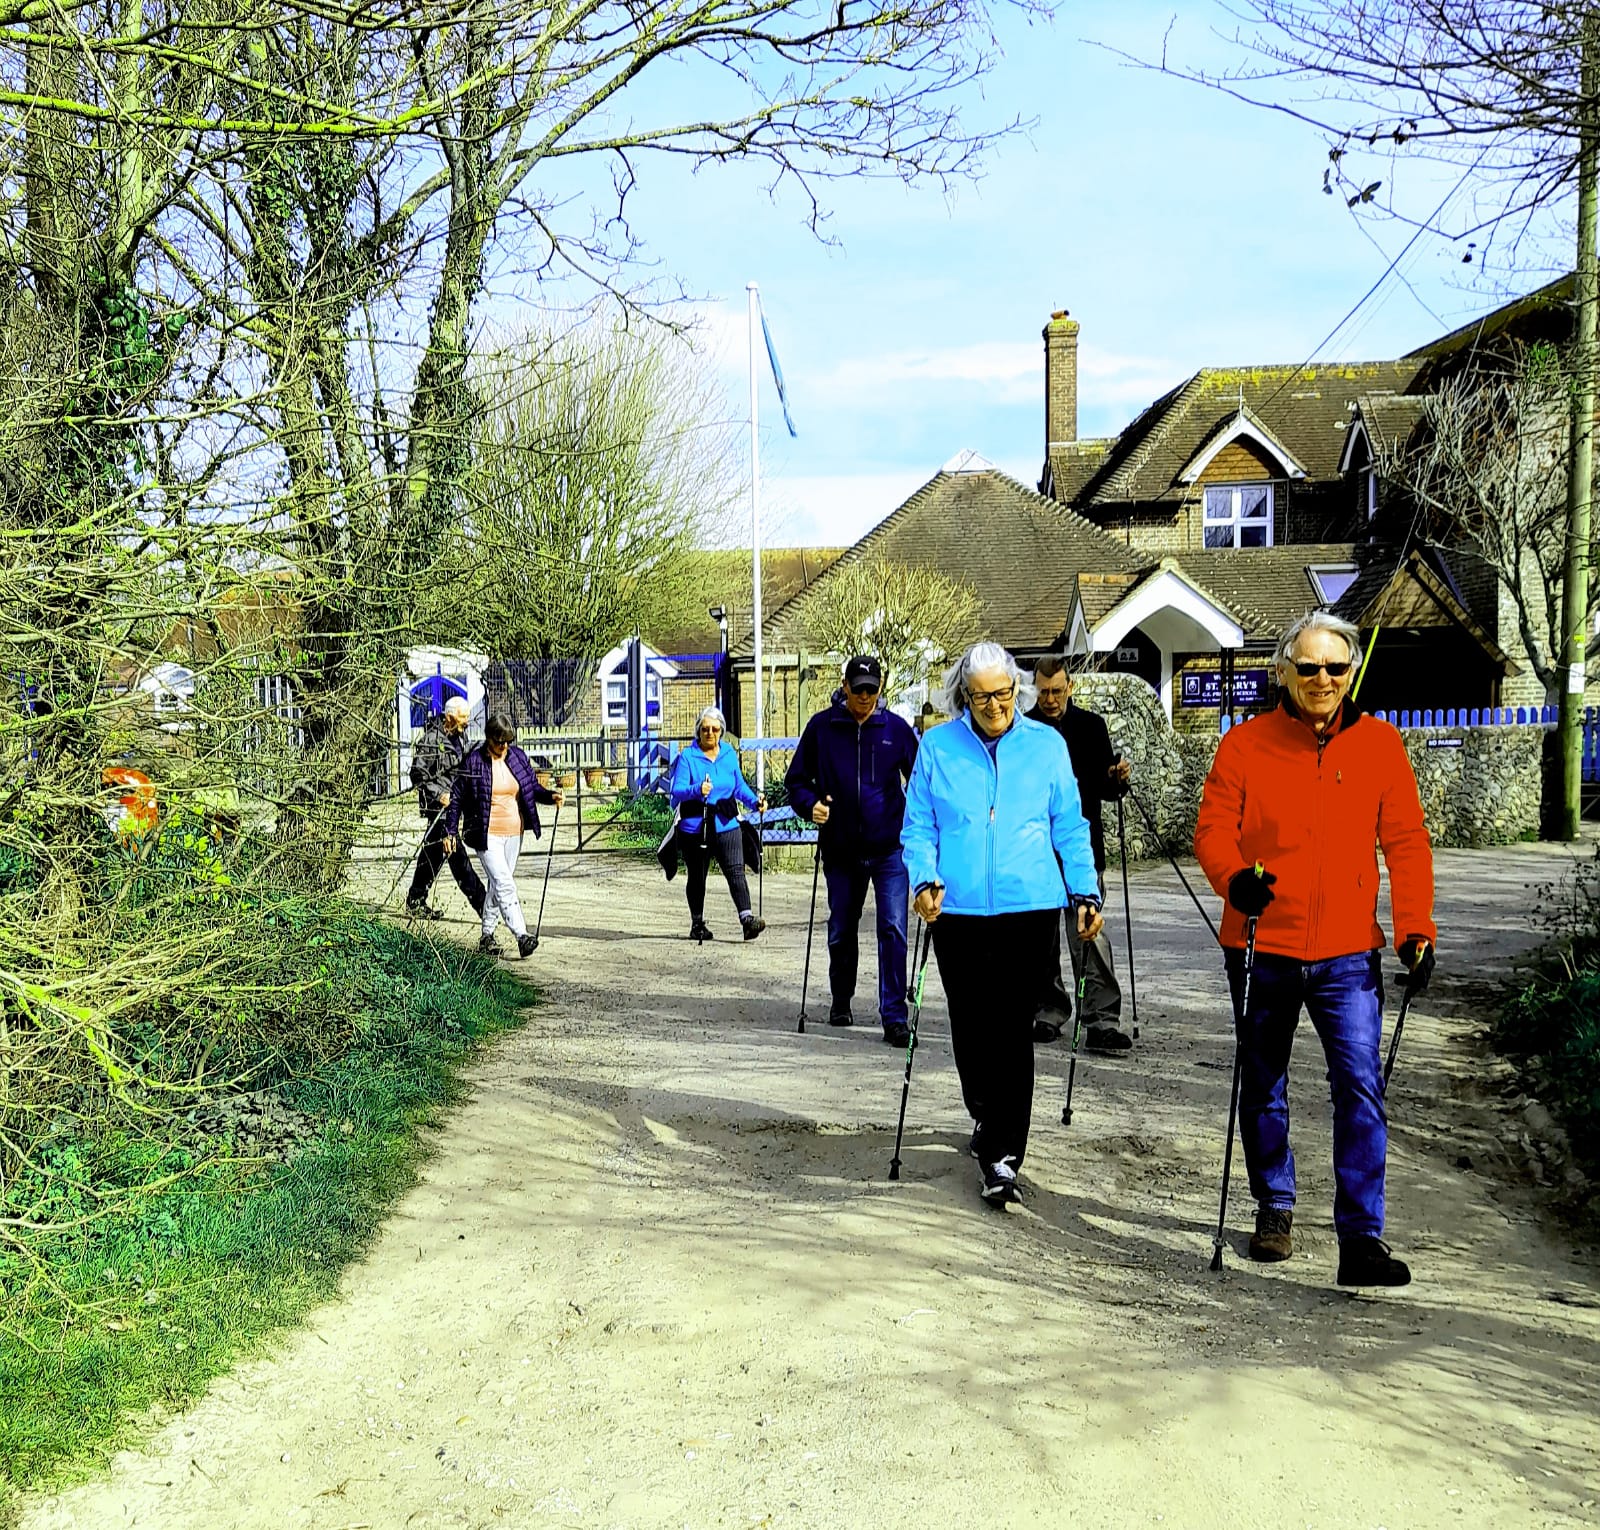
<point>1344,998</point>
<point>847,895</point>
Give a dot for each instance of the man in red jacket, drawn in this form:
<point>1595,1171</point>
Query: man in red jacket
<point>1296,801</point>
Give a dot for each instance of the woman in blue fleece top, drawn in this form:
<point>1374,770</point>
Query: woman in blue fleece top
<point>707,786</point>
<point>995,844</point>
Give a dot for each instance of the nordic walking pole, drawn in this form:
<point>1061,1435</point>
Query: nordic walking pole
<point>925,935</point>
<point>1394,1040</point>
<point>1127,919</point>
<point>410,860</point>
<point>811,924</point>
<point>550,855</point>
<point>1233,1096</point>
<point>1155,834</point>
<point>1077,1029</point>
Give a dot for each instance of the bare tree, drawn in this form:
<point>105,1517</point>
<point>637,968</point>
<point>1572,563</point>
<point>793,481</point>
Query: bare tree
<point>604,458</point>
<point>1486,471</point>
<point>911,619</point>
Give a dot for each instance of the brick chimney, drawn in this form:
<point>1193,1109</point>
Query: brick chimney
<point>1060,380</point>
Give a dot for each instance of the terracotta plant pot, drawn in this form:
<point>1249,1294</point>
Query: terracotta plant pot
<point>619,779</point>
<point>544,778</point>
<point>569,779</point>
<point>594,779</point>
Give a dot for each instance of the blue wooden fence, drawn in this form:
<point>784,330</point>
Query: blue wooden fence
<point>1505,717</point>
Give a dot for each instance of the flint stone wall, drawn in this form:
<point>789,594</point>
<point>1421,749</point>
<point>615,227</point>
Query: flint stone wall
<point>1479,786</point>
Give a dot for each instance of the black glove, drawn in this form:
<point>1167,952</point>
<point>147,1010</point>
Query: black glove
<point>1251,891</point>
<point>1417,954</point>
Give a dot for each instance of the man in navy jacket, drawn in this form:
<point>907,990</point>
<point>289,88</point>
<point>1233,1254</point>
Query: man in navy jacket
<point>848,777</point>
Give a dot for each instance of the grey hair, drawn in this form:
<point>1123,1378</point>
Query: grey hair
<point>954,698</point>
<point>710,714</point>
<point>1319,621</point>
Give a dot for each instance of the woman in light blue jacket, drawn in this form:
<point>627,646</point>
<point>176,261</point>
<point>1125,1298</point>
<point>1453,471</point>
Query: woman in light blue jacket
<point>707,785</point>
<point>995,846</point>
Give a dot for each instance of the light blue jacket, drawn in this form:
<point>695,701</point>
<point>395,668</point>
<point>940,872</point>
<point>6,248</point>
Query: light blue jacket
<point>728,786</point>
<point>999,832</point>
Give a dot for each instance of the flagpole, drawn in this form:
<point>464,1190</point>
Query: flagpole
<point>755,531</point>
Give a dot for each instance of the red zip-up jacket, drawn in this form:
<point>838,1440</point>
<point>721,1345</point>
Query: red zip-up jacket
<point>1312,810</point>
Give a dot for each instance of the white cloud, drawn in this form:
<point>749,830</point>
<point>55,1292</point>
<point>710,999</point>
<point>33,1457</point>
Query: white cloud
<point>1007,369</point>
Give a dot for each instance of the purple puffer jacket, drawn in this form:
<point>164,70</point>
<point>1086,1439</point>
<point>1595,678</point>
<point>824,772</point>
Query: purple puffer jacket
<point>472,795</point>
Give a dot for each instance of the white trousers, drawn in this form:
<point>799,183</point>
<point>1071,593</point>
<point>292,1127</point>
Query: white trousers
<point>499,861</point>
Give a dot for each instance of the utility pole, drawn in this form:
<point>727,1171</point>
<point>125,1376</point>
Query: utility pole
<point>1580,480</point>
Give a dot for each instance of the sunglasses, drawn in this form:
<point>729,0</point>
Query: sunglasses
<point>864,690</point>
<point>1336,670</point>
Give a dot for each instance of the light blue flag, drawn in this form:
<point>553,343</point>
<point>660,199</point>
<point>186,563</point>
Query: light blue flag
<point>777,373</point>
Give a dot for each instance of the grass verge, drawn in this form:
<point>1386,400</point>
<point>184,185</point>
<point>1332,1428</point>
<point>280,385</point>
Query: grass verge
<point>105,1325</point>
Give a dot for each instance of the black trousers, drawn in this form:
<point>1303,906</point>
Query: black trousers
<point>727,850</point>
<point>992,970</point>
<point>431,857</point>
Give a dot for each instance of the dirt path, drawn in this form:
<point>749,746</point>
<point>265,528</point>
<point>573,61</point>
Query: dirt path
<point>657,1276</point>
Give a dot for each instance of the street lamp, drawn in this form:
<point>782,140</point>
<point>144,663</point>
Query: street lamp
<point>719,614</point>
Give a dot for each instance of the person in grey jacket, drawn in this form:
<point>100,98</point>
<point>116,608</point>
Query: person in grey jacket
<point>435,760</point>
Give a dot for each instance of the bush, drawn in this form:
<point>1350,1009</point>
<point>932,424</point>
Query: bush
<point>163,1251</point>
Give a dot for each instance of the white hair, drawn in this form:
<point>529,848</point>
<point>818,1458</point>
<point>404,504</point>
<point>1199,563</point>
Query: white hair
<point>710,714</point>
<point>1319,621</point>
<point>457,706</point>
<point>955,698</point>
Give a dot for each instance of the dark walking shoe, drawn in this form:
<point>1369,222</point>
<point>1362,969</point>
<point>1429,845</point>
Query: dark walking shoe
<point>1273,1239</point>
<point>752,925</point>
<point>421,909</point>
<point>972,1143</point>
<point>1000,1183</point>
<point>1106,1038</point>
<point>527,945</point>
<point>488,946</point>
<point>1366,1261</point>
<point>897,1033</point>
<point>840,1017</point>
<point>701,931</point>
<point>1045,1031</point>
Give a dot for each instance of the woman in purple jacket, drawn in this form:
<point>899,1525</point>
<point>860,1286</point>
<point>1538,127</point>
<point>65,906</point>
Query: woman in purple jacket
<point>493,800</point>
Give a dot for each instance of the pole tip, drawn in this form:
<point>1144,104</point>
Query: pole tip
<point>1216,1257</point>
<point>1066,1116</point>
<point>894,1168</point>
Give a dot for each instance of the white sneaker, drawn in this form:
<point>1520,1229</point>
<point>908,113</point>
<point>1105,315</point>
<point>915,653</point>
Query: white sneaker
<point>1000,1182</point>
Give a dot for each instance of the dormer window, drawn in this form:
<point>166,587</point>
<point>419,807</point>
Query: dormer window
<point>1331,580</point>
<point>1238,515</point>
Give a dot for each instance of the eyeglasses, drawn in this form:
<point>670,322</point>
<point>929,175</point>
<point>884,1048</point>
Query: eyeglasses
<point>863,690</point>
<point>992,698</point>
<point>1336,670</point>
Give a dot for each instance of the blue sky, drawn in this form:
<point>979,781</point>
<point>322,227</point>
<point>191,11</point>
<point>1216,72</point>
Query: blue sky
<point>1181,229</point>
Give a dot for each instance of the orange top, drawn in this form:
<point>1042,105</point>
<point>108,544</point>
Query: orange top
<point>1314,814</point>
<point>505,817</point>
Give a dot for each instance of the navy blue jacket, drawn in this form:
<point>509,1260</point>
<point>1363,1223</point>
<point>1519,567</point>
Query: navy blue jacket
<point>864,768</point>
<point>472,795</point>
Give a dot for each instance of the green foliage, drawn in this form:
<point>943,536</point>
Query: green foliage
<point>114,1314</point>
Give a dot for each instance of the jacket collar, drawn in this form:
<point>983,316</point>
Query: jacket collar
<point>1349,715</point>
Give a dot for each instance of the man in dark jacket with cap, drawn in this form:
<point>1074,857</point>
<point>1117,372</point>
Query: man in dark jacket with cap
<point>435,760</point>
<point>1102,777</point>
<point>848,777</point>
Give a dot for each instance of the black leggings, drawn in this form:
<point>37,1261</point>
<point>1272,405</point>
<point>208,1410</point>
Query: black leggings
<point>727,848</point>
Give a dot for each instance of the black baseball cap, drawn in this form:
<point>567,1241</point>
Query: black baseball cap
<point>863,673</point>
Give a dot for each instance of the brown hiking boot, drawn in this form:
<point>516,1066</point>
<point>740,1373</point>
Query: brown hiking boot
<point>1273,1238</point>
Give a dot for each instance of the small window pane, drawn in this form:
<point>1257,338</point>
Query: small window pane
<point>1219,505</point>
<point>1253,503</point>
<point>1254,535</point>
<point>1219,536</point>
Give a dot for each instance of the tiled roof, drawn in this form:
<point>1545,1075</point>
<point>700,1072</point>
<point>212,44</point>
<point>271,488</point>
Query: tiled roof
<point>1020,551</point>
<point>1306,408</point>
<point>1072,465</point>
<point>1267,588</point>
<point>1390,417</point>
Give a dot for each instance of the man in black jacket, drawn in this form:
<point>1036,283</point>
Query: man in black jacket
<point>1102,777</point>
<point>848,777</point>
<point>435,759</point>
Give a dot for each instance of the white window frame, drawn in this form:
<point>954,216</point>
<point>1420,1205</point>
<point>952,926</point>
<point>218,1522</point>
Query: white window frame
<point>1235,493</point>
<point>1370,474</point>
<point>616,698</point>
